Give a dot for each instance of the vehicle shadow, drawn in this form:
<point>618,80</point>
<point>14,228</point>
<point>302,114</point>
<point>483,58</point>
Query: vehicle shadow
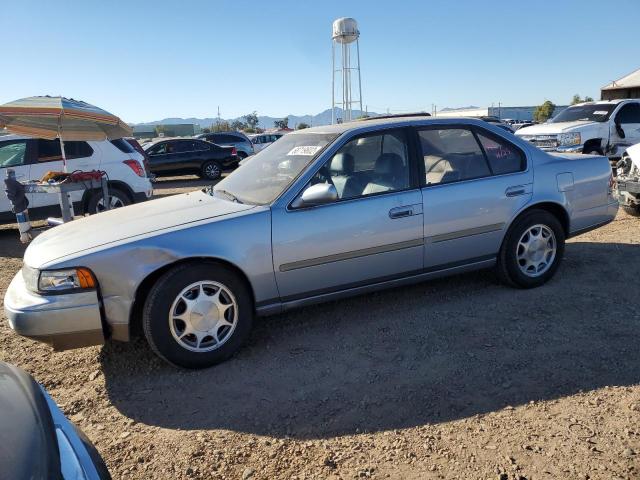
<point>405,357</point>
<point>10,245</point>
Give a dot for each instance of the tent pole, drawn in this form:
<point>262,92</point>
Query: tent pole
<point>64,155</point>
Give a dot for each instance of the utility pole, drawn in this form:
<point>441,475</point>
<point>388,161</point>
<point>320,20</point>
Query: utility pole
<point>218,115</point>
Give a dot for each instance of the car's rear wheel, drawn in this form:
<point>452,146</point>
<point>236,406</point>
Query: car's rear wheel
<point>211,170</point>
<point>198,315</point>
<point>532,250</point>
<point>632,210</point>
<point>117,199</point>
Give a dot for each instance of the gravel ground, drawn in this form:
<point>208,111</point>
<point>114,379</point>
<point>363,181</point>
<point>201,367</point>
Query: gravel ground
<point>460,378</point>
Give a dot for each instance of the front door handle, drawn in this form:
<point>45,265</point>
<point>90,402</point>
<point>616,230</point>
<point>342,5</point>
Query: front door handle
<point>400,212</point>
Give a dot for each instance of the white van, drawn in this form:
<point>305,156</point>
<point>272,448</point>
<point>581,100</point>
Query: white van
<point>32,158</point>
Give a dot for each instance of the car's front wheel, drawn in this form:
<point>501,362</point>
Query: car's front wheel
<point>198,315</point>
<point>532,250</point>
<point>211,170</point>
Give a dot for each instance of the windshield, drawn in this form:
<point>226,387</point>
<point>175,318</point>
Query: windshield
<point>264,176</point>
<point>588,113</point>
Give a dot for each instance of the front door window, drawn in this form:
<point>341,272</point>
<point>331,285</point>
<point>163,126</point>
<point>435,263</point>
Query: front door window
<point>13,154</point>
<point>368,165</point>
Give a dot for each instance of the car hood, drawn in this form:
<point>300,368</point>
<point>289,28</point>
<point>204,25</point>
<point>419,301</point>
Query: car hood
<point>124,223</point>
<point>554,128</point>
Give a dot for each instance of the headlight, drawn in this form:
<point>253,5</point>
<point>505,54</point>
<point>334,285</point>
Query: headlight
<point>66,280</point>
<point>528,138</point>
<point>569,139</point>
<point>30,277</point>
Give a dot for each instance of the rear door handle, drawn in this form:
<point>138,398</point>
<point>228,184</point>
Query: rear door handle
<point>515,191</point>
<point>400,212</point>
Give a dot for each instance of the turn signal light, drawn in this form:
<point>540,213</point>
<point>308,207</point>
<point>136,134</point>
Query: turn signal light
<point>85,278</point>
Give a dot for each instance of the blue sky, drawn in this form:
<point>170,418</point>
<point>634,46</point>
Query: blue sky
<point>146,60</point>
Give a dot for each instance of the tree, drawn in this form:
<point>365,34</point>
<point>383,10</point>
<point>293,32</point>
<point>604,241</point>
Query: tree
<point>252,120</point>
<point>544,112</point>
<point>222,126</point>
<point>206,130</point>
<point>576,99</point>
<point>302,126</point>
<point>281,124</point>
<point>238,125</point>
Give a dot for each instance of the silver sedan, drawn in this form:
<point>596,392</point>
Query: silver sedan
<point>323,213</point>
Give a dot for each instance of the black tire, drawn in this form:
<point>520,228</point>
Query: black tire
<point>155,316</point>
<point>211,170</point>
<point>242,155</point>
<point>508,268</point>
<point>94,203</point>
<point>633,210</point>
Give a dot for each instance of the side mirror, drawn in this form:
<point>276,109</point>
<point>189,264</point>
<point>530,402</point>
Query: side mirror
<point>619,129</point>
<point>317,194</point>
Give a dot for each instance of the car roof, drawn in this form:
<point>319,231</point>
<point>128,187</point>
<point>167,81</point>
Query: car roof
<point>13,136</point>
<point>606,102</point>
<point>395,121</point>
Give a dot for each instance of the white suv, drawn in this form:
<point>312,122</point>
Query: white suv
<point>31,158</point>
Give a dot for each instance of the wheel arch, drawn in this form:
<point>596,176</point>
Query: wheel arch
<point>144,287</point>
<point>112,184</point>
<point>555,209</point>
<point>593,144</point>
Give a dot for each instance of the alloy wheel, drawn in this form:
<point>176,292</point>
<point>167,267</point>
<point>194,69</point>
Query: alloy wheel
<point>536,250</point>
<point>203,316</point>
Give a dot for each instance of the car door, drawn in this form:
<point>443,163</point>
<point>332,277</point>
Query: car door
<point>48,158</point>
<point>372,232</point>
<point>15,154</point>
<point>160,157</point>
<point>475,181</point>
<point>625,130</point>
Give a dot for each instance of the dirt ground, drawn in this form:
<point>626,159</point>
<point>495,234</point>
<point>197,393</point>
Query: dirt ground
<point>460,378</point>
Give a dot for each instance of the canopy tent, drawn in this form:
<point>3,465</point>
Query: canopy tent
<point>62,118</point>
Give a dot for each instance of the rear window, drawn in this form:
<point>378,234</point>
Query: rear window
<point>123,145</point>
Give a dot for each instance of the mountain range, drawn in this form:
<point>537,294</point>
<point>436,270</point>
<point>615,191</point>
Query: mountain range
<point>264,121</point>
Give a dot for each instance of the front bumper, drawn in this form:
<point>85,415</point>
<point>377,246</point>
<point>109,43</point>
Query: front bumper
<point>64,321</point>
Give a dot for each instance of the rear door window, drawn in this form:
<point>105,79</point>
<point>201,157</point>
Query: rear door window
<point>452,155</point>
<point>50,151</point>
<point>503,157</point>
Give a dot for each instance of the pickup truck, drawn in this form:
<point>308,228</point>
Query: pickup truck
<point>604,128</point>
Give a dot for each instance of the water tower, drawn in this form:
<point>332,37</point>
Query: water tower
<point>345,36</point>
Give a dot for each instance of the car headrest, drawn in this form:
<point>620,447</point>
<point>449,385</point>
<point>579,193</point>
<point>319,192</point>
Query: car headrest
<point>388,164</point>
<point>342,163</point>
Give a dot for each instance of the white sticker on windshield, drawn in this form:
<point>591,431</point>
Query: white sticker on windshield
<point>308,150</point>
<point>600,112</point>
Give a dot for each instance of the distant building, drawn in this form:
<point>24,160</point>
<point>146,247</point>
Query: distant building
<point>173,130</point>
<point>144,131</point>
<point>513,113</point>
<point>625,87</point>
